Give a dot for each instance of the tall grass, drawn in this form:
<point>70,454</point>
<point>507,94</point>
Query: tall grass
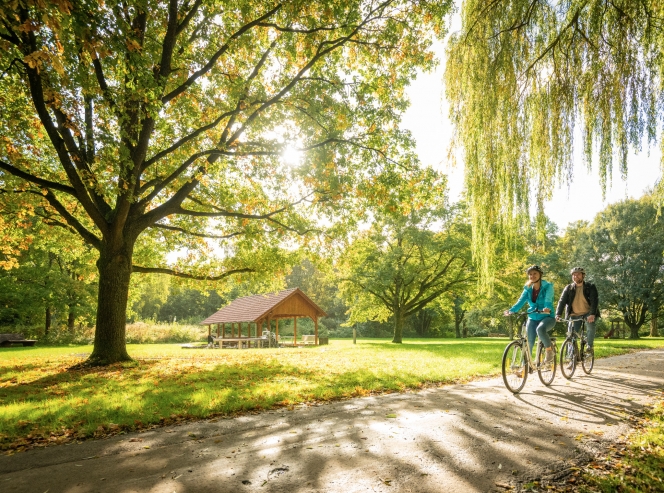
<point>137,333</point>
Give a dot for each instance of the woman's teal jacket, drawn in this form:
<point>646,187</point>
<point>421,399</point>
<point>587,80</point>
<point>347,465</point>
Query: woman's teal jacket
<point>544,300</point>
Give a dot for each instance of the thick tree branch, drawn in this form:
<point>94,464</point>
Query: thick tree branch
<point>101,80</point>
<point>187,138</point>
<point>86,234</point>
<point>169,41</point>
<point>171,272</point>
<point>198,235</point>
<point>240,101</point>
<point>313,30</point>
<point>37,181</point>
<point>211,63</point>
<point>38,99</point>
<point>239,215</point>
<point>187,19</point>
<point>324,48</point>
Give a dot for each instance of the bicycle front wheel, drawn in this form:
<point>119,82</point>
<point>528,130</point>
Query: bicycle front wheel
<point>546,371</point>
<point>587,358</point>
<point>567,358</point>
<point>515,371</point>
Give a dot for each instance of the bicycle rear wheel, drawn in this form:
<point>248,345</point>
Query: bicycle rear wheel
<point>515,372</point>
<point>567,358</point>
<point>587,358</point>
<point>546,372</point>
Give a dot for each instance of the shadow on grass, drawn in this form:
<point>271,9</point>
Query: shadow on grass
<point>485,437</point>
<point>130,396</point>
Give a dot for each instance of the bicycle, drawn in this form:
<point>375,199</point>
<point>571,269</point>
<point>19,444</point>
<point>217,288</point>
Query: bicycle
<point>569,351</point>
<point>517,361</point>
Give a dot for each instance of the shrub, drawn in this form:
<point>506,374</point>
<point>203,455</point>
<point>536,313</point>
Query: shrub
<point>144,333</point>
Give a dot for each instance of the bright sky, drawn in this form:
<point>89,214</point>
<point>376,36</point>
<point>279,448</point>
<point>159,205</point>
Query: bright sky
<point>428,121</point>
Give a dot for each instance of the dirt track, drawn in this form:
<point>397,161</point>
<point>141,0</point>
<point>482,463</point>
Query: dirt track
<point>473,437</point>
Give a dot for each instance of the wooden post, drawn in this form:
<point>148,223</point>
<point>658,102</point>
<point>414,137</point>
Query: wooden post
<point>232,329</point>
<point>209,329</point>
<point>277,331</point>
<point>223,329</point>
<point>269,329</point>
<point>218,330</point>
<point>316,330</point>
<point>294,331</point>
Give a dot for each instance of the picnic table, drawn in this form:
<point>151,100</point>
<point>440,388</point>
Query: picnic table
<point>11,339</point>
<point>238,341</point>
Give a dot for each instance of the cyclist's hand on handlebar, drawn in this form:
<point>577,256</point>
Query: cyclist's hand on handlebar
<point>591,318</point>
<point>507,313</point>
<point>558,319</point>
<point>546,310</point>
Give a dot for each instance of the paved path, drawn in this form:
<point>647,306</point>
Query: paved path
<point>459,438</point>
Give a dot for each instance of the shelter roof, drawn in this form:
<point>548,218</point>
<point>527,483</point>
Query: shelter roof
<point>257,307</point>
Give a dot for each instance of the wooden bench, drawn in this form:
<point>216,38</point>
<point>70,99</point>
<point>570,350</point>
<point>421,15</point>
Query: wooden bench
<point>494,334</point>
<point>308,339</point>
<point>7,340</point>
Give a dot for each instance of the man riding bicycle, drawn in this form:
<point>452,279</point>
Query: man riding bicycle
<point>580,299</point>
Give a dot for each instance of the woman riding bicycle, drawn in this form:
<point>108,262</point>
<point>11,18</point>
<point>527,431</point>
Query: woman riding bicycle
<point>538,293</point>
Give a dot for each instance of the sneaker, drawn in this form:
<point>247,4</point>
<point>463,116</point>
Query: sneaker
<point>548,359</point>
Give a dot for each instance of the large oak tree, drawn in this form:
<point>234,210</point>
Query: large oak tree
<point>148,125</point>
<point>411,255</point>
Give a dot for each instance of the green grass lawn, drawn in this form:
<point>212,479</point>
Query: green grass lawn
<point>42,402</point>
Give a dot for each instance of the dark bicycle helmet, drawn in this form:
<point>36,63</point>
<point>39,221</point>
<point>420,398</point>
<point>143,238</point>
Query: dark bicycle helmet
<point>578,269</point>
<point>535,267</point>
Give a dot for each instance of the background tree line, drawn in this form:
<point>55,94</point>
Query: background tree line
<point>418,263</point>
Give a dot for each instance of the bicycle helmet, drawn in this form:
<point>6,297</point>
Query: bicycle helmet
<point>578,269</point>
<point>535,267</point>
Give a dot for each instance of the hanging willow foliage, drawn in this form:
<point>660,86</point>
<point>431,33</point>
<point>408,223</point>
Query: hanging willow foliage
<point>522,74</point>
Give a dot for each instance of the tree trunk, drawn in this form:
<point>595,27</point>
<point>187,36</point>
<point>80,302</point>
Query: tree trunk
<point>110,332</point>
<point>464,328</point>
<point>398,327</point>
<point>71,319</point>
<point>654,332</point>
<point>635,318</point>
<point>633,331</point>
<point>47,321</point>
<point>457,327</point>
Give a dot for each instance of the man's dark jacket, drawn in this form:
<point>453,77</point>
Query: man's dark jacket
<point>567,298</point>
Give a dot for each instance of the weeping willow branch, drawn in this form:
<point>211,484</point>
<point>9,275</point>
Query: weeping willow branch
<point>524,77</point>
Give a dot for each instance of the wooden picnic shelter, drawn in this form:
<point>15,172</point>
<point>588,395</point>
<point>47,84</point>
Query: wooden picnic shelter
<point>261,309</point>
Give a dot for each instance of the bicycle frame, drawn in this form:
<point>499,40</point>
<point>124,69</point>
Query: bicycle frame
<point>523,340</point>
<point>570,328</point>
<point>570,353</point>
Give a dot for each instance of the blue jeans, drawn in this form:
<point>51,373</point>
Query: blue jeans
<point>590,329</point>
<point>542,329</point>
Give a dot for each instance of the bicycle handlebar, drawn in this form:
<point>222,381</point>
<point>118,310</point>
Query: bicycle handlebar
<point>536,310</point>
<point>568,320</point>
